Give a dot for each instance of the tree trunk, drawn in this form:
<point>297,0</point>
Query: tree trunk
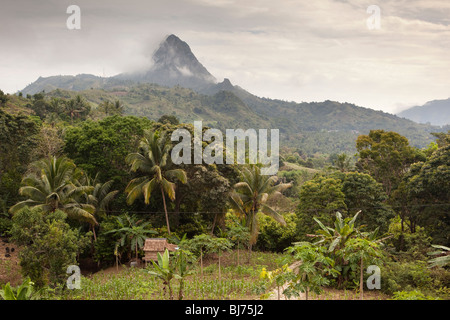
<point>306,294</point>
<point>180,292</point>
<point>176,213</point>
<point>214,224</point>
<point>165,210</point>
<point>238,253</point>
<point>201,262</point>
<point>219,270</point>
<point>170,291</point>
<point>93,231</point>
<point>136,253</point>
<point>361,281</point>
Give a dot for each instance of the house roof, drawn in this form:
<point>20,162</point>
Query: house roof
<point>158,244</point>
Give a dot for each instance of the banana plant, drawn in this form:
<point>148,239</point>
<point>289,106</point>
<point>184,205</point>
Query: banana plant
<point>136,232</point>
<point>183,258</point>
<point>164,271</point>
<point>23,292</point>
<point>336,239</point>
<point>343,230</point>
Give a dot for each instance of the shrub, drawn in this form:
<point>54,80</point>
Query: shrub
<point>412,245</point>
<point>411,295</point>
<point>50,245</point>
<point>275,237</point>
<point>5,225</point>
<point>405,275</point>
<point>106,243</point>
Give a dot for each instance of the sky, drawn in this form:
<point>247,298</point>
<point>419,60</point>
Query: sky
<point>386,55</point>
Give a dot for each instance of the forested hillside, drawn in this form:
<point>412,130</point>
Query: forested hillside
<point>84,183</point>
<point>320,127</point>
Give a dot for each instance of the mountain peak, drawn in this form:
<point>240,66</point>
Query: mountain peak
<point>174,64</point>
<point>174,51</point>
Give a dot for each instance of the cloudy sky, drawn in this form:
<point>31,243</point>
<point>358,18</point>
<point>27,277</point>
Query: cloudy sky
<point>298,50</point>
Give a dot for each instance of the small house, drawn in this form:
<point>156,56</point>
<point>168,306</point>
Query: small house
<point>154,245</point>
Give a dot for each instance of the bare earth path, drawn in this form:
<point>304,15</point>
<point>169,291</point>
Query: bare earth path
<point>274,294</point>
<point>329,293</point>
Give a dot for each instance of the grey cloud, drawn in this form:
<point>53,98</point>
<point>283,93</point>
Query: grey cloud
<point>293,50</point>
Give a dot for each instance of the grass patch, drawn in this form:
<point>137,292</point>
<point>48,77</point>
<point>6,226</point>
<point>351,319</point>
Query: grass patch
<point>238,281</point>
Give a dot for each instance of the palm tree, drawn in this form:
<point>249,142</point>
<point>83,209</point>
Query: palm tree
<point>100,197</point>
<point>342,162</point>
<point>153,161</point>
<point>50,186</point>
<point>443,256</point>
<point>249,197</point>
<point>111,108</point>
<point>76,107</point>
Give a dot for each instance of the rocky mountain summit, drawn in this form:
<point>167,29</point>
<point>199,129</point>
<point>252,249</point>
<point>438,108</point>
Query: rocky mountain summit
<point>174,64</point>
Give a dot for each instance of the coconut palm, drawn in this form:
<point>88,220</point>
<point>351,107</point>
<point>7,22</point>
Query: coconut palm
<point>100,197</point>
<point>76,107</point>
<point>443,256</point>
<point>50,186</point>
<point>153,162</point>
<point>250,196</point>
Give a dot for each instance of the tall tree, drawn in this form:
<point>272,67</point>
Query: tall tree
<point>341,162</point>
<point>319,197</point>
<point>204,193</point>
<point>153,163</point>
<point>17,139</point>
<point>249,197</point>
<point>3,98</point>
<point>424,193</point>
<point>386,156</point>
<point>102,146</point>
<point>363,192</point>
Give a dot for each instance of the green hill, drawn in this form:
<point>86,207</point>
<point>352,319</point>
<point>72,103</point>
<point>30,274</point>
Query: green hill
<point>319,127</point>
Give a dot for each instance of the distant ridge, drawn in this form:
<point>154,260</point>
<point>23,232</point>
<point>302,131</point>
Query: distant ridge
<point>436,112</point>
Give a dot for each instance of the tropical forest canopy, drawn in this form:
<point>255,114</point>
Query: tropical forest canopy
<point>90,171</point>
